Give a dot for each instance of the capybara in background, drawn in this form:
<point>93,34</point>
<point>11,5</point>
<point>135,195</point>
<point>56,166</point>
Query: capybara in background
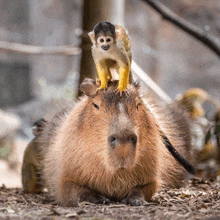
<point>109,147</point>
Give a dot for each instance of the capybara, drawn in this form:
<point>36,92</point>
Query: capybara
<point>109,147</point>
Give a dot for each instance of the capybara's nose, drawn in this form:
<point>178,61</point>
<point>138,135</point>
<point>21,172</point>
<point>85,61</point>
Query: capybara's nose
<point>126,137</point>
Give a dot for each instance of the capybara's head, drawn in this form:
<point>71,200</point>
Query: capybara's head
<point>116,122</point>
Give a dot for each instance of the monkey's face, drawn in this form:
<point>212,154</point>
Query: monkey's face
<point>104,41</point>
<point>104,36</point>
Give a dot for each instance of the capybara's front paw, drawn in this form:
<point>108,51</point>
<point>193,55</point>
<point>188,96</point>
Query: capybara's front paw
<point>134,199</point>
<point>94,198</point>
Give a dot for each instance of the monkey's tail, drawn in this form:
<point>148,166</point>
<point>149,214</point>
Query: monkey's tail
<point>185,163</point>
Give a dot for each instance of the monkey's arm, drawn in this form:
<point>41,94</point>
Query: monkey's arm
<point>124,74</point>
<point>103,74</point>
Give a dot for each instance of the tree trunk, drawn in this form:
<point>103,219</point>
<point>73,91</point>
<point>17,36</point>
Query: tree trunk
<point>97,11</point>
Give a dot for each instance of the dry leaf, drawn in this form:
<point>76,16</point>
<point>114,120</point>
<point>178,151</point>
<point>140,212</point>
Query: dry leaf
<point>71,215</point>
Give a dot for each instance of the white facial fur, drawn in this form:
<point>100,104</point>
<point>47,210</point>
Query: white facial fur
<point>105,40</point>
<point>111,53</point>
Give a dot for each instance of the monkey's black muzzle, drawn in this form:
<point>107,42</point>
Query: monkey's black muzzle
<point>105,47</point>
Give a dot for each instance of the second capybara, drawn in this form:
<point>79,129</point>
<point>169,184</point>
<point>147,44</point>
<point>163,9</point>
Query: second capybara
<point>109,147</point>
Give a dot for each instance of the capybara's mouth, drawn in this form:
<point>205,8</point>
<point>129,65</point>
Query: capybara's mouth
<point>125,164</point>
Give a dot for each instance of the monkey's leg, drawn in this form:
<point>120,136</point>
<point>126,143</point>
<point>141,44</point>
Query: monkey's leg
<point>72,194</point>
<point>124,72</point>
<point>104,76</point>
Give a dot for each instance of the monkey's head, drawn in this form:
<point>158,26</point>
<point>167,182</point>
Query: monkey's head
<point>38,127</point>
<point>104,35</point>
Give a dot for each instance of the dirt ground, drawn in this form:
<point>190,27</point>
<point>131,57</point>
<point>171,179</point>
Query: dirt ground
<point>197,200</point>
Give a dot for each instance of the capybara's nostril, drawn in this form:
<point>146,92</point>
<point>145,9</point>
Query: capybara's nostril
<point>133,139</point>
<point>112,139</point>
<point>123,138</point>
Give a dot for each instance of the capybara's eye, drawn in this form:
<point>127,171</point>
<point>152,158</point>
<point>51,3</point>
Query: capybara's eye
<point>133,139</point>
<point>138,102</point>
<point>138,105</point>
<point>96,106</point>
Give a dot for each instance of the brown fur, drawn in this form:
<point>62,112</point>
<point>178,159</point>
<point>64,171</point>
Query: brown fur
<point>107,147</point>
<point>175,123</point>
<point>32,164</point>
<point>79,163</point>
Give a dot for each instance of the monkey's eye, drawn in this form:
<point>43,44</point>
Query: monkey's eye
<point>108,40</point>
<point>101,40</point>
<point>96,106</point>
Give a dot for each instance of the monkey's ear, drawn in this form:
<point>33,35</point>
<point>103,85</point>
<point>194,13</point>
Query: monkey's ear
<point>117,34</point>
<point>89,87</point>
<point>92,36</point>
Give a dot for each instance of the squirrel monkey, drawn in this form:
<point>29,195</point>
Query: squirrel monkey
<point>193,99</point>
<point>32,161</point>
<point>111,52</point>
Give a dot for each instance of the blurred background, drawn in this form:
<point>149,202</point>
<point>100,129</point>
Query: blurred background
<point>33,77</point>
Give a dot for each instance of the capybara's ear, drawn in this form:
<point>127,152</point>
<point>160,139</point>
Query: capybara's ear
<point>136,84</point>
<point>134,88</point>
<point>89,87</point>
